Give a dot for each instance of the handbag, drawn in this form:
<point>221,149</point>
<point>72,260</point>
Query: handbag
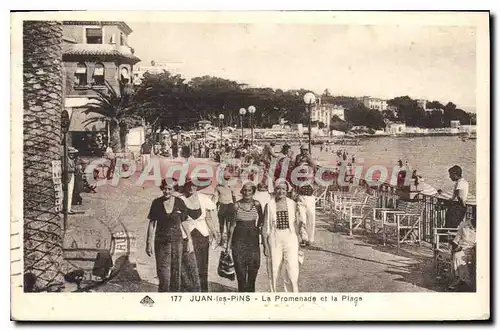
<point>226,266</point>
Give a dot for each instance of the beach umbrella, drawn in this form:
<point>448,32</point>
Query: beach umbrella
<point>426,189</point>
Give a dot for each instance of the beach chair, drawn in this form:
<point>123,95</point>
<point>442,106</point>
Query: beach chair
<point>442,252</point>
<point>323,197</point>
<point>404,226</point>
<point>357,213</point>
<point>342,199</point>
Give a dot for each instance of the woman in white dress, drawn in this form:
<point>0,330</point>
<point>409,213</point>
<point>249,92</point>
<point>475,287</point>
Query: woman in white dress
<point>202,223</point>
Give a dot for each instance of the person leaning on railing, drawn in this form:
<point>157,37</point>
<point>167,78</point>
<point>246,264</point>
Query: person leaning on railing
<point>457,205</point>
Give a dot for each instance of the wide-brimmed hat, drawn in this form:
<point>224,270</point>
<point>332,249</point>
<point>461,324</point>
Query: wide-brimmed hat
<point>304,146</point>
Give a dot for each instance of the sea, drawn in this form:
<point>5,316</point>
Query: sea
<point>430,156</point>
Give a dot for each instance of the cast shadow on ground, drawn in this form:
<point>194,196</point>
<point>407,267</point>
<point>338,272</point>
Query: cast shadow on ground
<point>217,287</point>
<point>125,279</point>
<point>419,272</point>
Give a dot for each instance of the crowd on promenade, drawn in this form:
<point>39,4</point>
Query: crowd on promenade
<point>275,212</point>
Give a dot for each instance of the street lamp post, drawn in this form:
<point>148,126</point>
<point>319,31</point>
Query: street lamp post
<point>243,111</point>
<point>309,99</point>
<point>251,111</point>
<point>221,118</point>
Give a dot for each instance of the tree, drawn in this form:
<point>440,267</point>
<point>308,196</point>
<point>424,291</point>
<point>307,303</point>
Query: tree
<point>337,124</point>
<point>164,101</point>
<point>435,105</point>
<point>42,106</point>
<point>116,109</point>
<point>362,116</point>
<point>408,110</point>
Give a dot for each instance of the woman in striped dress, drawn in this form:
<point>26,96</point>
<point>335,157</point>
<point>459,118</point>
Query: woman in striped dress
<point>244,240</point>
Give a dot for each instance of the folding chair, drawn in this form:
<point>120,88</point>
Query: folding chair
<point>407,221</point>
<point>443,263</point>
<point>357,213</point>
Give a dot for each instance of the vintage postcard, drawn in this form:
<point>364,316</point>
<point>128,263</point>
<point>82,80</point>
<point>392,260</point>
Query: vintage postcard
<point>250,166</point>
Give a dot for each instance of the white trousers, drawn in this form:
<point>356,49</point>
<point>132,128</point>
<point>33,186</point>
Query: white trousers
<point>284,257</point>
<point>71,185</point>
<point>307,214</point>
<point>145,158</point>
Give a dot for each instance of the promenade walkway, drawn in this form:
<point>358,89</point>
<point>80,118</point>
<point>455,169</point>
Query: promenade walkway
<point>335,263</point>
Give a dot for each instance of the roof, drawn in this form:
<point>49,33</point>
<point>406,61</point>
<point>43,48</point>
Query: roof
<point>100,50</point>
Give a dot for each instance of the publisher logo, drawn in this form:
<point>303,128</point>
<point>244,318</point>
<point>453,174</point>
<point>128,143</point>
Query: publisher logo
<point>147,301</point>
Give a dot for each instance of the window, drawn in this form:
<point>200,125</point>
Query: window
<point>93,35</point>
<point>124,76</point>
<point>122,39</point>
<point>81,75</point>
<point>98,77</point>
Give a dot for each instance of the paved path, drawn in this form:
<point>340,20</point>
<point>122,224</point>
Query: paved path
<point>336,262</point>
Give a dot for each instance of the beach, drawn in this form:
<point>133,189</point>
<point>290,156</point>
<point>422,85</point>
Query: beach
<point>431,156</point>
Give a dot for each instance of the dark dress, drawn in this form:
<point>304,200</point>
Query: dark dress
<point>201,246</point>
<point>172,259</point>
<point>245,246</point>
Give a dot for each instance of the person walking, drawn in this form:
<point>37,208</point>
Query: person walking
<point>244,238</point>
<point>146,149</point>
<point>173,246</point>
<point>306,201</point>
<point>202,218</point>
<point>224,198</point>
<point>280,237</point>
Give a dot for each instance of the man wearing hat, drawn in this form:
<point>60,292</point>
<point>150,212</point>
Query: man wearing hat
<point>283,166</point>
<point>306,201</point>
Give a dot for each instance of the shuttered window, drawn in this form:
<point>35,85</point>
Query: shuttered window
<point>93,35</point>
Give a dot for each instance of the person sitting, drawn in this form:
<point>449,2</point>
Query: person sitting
<point>463,255</point>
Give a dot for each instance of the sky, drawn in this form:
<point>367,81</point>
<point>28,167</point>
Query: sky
<point>428,62</point>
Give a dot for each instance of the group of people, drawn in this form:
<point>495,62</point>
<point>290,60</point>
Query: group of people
<point>273,213</point>
<point>183,226</point>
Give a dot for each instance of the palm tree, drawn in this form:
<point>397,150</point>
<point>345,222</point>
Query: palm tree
<point>42,106</point>
<point>116,109</point>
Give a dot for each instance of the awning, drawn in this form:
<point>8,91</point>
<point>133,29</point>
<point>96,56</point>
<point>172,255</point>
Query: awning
<point>79,121</point>
<point>81,69</point>
<point>76,102</point>
<point>99,71</point>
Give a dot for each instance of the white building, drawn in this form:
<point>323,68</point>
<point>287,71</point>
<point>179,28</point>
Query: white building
<point>155,68</point>
<point>374,103</point>
<point>395,128</point>
<point>467,129</point>
<point>455,124</point>
<point>323,112</point>
<point>422,103</point>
